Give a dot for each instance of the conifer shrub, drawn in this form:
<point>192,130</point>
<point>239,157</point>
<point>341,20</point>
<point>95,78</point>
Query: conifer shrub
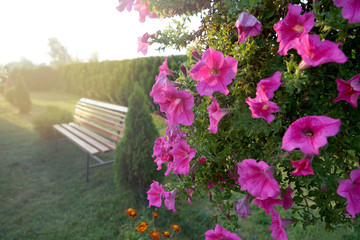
<point>134,166</point>
<point>44,121</point>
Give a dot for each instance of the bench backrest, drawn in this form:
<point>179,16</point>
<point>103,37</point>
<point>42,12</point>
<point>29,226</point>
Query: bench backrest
<point>103,118</point>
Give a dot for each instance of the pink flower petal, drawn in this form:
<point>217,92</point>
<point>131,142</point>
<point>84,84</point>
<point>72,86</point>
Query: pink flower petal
<point>247,26</point>
<point>350,189</point>
<point>220,233</point>
<point>351,9</point>
<point>310,133</point>
<point>349,91</point>
<point>155,193</point>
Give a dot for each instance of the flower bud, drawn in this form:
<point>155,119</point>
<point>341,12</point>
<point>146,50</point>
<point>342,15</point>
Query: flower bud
<point>196,55</point>
<point>183,70</point>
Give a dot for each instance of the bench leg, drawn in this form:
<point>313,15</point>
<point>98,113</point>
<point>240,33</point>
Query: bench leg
<point>87,167</point>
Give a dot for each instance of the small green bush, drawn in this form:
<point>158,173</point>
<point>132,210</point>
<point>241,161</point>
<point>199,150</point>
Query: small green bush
<point>9,94</point>
<point>44,121</point>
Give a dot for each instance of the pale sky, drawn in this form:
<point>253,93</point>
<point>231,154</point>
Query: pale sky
<point>84,27</point>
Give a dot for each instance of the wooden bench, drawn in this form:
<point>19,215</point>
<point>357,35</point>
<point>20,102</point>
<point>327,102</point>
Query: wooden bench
<point>96,129</point>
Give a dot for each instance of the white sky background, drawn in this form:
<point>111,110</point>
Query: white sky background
<point>84,27</point>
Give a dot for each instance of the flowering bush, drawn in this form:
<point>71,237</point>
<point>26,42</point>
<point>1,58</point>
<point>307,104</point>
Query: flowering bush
<point>290,163</point>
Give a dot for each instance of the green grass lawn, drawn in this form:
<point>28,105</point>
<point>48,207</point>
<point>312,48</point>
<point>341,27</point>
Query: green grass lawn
<point>44,194</point>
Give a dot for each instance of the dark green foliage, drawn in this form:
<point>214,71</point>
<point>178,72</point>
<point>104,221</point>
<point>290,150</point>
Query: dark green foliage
<point>44,121</point>
<point>17,94</point>
<point>134,166</point>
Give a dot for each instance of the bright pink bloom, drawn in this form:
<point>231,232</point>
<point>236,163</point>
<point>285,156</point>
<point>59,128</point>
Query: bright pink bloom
<point>247,26</point>
<point>177,106</point>
<point>242,206</point>
<point>349,91</point>
<point>309,134</point>
<point>287,200</point>
<point>278,226</point>
<point>220,233</point>
<point>162,153</point>
<point>315,52</point>
<point>174,133</point>
<point>182,156</point>
<point>257,178</point>
<point>143,43</point>
<point>170,200</point>
<point>293,26</point>
<point>269,85</point>
<point>262,107</point>
<point>125,4</point>
<point>215,114</point>
<point>158,92</point>
<point>267,204</point>
<point>165,68</point>
<point>303,166</point>
<point>351,9</point>
<point>350,189</point>
<point>214,72</point>
<point>143,9</point>
<point>155,193</point>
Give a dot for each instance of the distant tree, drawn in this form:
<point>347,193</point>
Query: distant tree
<point>58,53</point>
<point>134,166</point>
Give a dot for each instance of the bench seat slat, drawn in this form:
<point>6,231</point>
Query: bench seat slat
<point>86,138</point>
<point>119,114</point>
<point>103,114</point>
<point>105,105</point>
<point>99,138</point>
<point>99,119</point>
<point>100,130</point>
<point>82,144</point>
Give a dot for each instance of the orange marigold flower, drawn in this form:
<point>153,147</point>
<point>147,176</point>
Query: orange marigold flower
<point>131,212</point>
<point>142,227</point>
<point>156,215</point>
<point>166,234</point>
<point>175,227</point>
<point>155,235</point>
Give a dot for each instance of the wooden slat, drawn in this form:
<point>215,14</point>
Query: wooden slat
<point>114,118</point>
<point>99,138</point>
<point>104,105</point>
<point>106,122</point>
<point>119,114</point>
<point>86,138</point>
<point>97,129</point>
<point>82,144</point>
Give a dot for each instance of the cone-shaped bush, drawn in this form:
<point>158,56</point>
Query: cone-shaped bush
<point>134,166</point>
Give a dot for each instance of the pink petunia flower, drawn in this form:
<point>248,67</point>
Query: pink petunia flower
<point>158,92</point>
<point>269,85</point>
<point>242,206</point>
<point>182,156</point>
<point>143,9</point>
<point>214,72</point>
<point>247,26</point>
<point>315,52</point>
<point>143,43</point>
<point>215,114</point>
<point>125,4</point>
<point>350,189</point>
<point>162,149</point>
<point>202,160</point>
<point>309,133</point>
<point>287,200</point>
<point>267,204</point>
<point>303,166</point>
<point>351,9</point>
<point>170,200</point>
<point>293,26</point>
<point>278,226</point>
<point>257,178</point>
<point>177,106</point>
<point>155,193</point>
<point>220,233</point>
<point>349,91</point>
<point>165,68</point>
<point>174,133</point>
<point>262,107</point>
